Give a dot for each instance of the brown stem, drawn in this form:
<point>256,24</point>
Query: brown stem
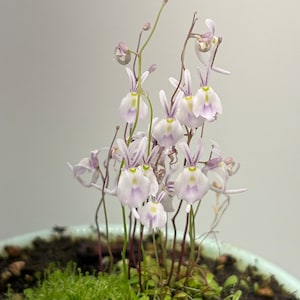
<point>183,245</point>
<point>139,264</point>
<point>183,55</point>
<point>174,243</point>
<point>105,181</point>
<point>99,248</point>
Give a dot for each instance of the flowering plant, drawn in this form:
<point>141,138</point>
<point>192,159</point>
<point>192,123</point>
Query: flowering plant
<point>159,172</point>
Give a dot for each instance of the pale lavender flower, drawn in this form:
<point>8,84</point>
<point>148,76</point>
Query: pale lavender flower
<point>218,170</point>
<point>168,187</point>
<point>168,131</point>
<point>187,105</point>
<point>153,214</point>
<point>133,187</point>
<point>191,183</point>
<point>207,103</point>
<point>206,47</point>
<point>122,54</point>
<point>129,104</point>
<point>148,172</point>
<point>87,164</point>
<point>132,154</point>
<point>148,169</point>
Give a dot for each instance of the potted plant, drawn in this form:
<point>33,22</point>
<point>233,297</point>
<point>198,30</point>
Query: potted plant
<point>159,167</point>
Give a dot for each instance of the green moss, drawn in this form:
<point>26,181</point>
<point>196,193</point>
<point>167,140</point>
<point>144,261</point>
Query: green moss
<point>71,284</point>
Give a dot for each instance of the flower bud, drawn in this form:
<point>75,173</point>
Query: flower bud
<point>146,26</point>
<point>122,54</point>
<point>152,68</point>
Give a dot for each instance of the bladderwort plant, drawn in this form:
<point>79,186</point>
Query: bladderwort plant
<point>157,173</point>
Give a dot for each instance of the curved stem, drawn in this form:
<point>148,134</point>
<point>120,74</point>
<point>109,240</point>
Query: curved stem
<point>183,56</point>
<point>153,28</point>
<point>139,76</point>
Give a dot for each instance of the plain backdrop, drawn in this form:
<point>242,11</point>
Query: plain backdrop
<point>60,90</point>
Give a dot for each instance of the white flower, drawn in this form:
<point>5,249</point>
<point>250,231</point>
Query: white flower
<point>153,214</point>
<point>133,104</point>
<point>133,188</point>
<point>191,184</point>
<point>185,113</point>
<point>89,164</point>
<point>207,103</point>
<point>168,131</point>
<point>148,172</point>
<point>129,105</point>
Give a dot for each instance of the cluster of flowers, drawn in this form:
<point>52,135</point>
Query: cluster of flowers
<point>150,173</point>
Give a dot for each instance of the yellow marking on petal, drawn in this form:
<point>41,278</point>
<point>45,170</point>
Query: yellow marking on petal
<point>134,181</point>
<point>189,101</point>
<point>206,97</point>
<point>192,169</point>
<point>132,170</point>
<point>169,129</point>
<point>133,100</point>
<point>146,167</point>
<point>192,179</point>
<point>153,208</point>
<point>133,103</point>
<point>169,122</point>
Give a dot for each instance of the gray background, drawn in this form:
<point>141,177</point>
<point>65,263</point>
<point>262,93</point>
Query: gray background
<point>60,90</point>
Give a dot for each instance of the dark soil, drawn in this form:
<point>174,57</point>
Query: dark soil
<point>19,268</point>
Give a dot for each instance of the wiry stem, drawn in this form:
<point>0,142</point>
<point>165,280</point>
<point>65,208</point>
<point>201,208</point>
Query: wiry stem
<point>139,71</point>
<point>174,243</point>
<point>140,256</point>
<point>183,57</point>
<point>105,180</point>
<point>192,244</point>
<point>125,242</point>
<point>183,245</point>
<point>99,235</point>
<point>131,257</point>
